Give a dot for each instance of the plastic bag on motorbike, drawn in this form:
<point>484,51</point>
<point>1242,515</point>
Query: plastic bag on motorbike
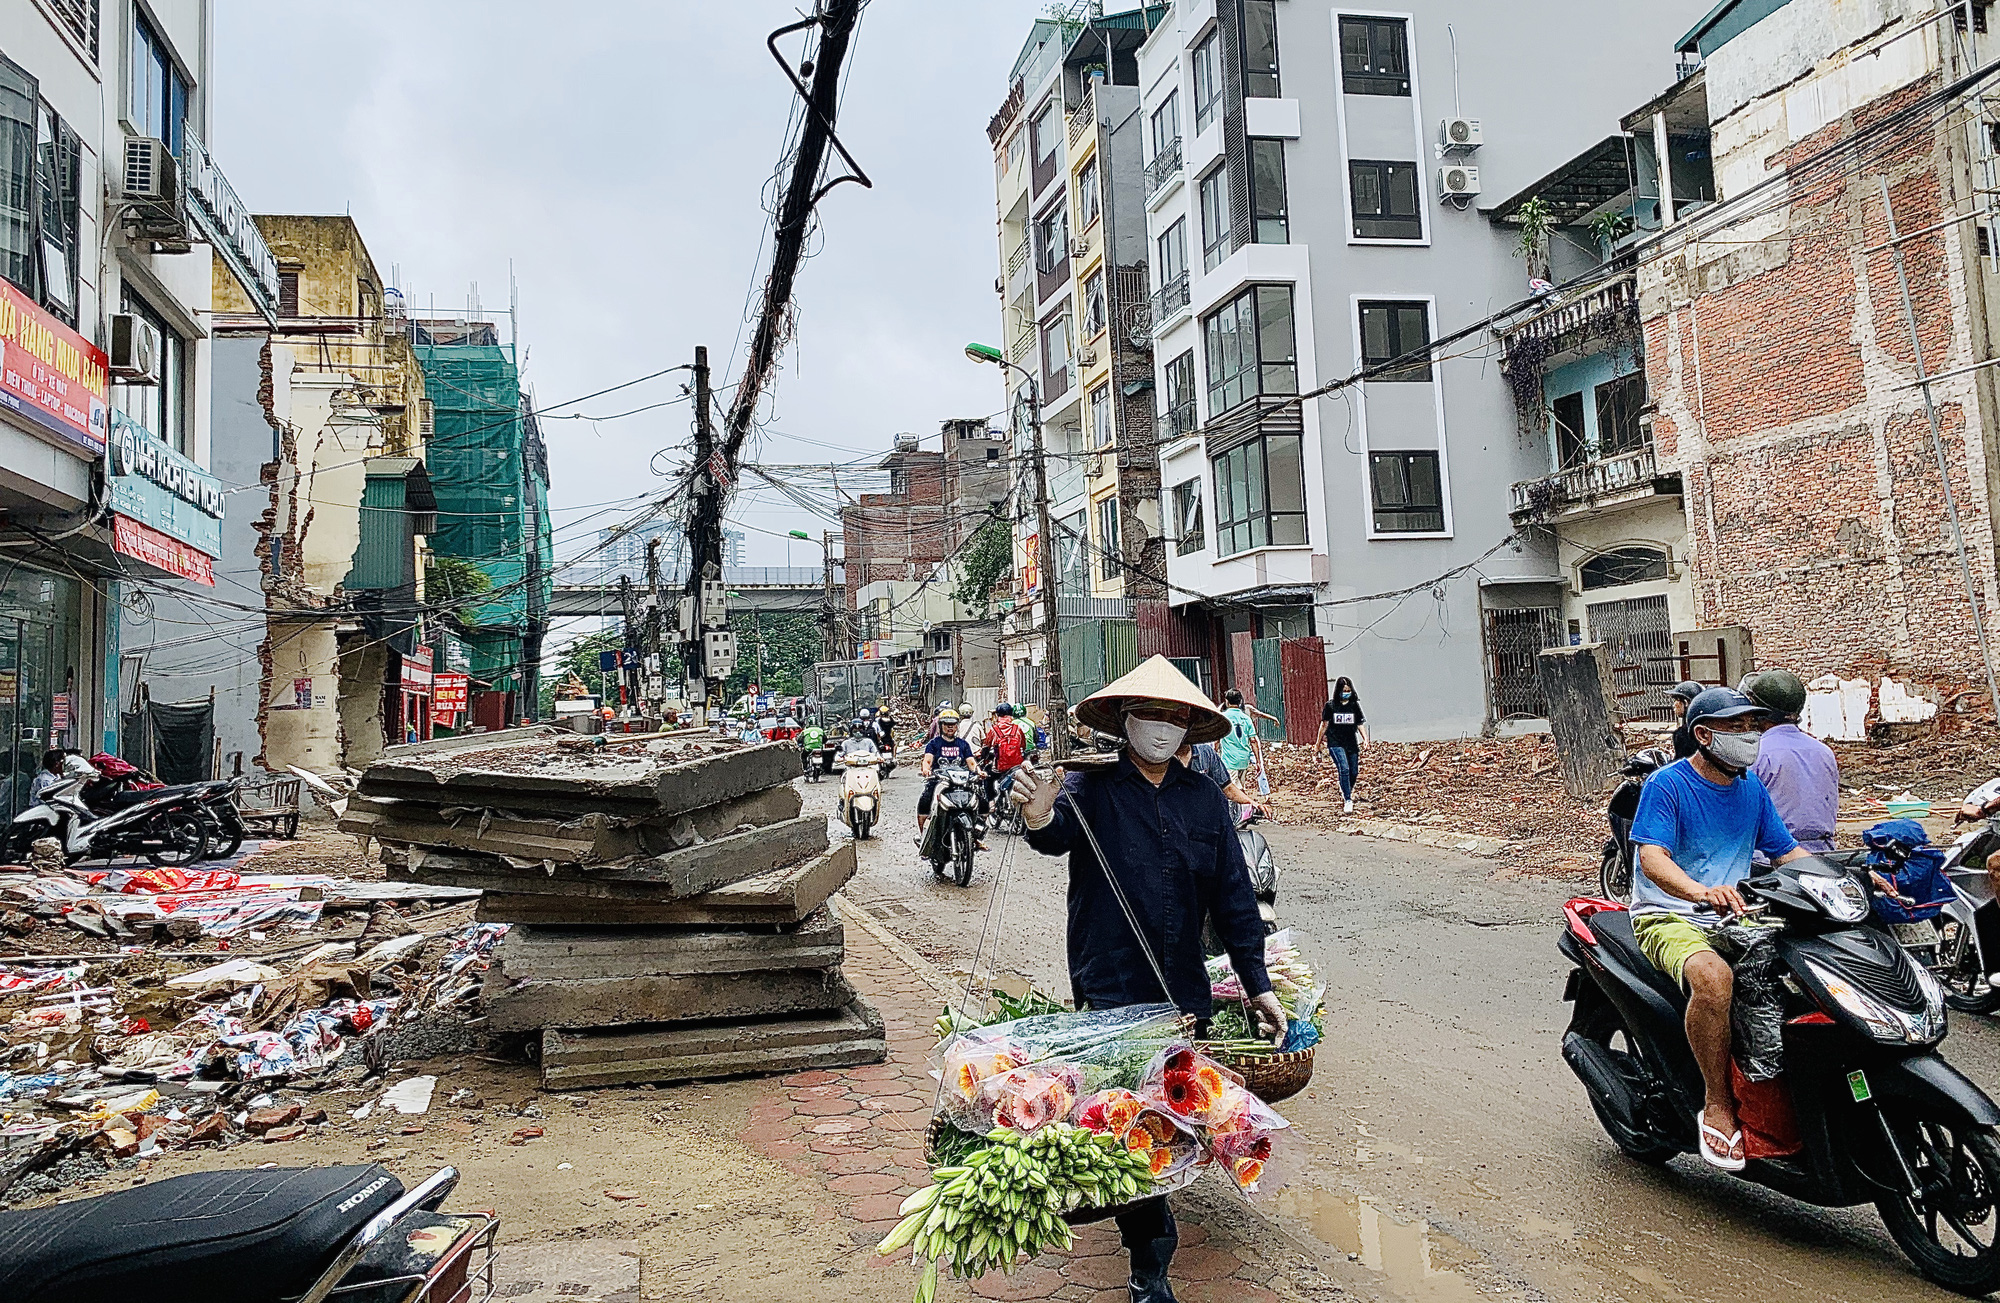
<point>1757,1007</point>
<point>1899,851</point>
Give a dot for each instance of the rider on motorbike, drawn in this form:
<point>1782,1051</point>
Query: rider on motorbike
<point>1796,768</point>
<point>813,738</point>
<point>1698,821</point>
<point>947,748</point>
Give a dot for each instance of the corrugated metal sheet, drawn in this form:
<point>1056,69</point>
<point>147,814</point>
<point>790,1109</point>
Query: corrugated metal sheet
<point>382,558</point>
<point>1165,631</point>
<point>1302,666</point>
<point>1270,694</point>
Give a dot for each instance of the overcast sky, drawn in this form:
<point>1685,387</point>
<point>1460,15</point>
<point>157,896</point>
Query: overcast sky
<point>619,155</point>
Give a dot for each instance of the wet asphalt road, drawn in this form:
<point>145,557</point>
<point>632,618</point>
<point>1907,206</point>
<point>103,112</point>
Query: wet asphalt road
<point>1445,1145</point>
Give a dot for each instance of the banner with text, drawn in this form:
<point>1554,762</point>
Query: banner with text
<point>52,375</point>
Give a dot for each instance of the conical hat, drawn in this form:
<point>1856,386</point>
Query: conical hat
<point>1154,680</point>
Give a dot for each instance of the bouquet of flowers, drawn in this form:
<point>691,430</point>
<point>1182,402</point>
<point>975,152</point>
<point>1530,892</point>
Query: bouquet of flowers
<point>1291,976</point>
<point>1235,1127</point>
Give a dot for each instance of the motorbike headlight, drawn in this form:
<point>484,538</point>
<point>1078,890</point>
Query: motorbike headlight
<point>1884,1022</point>
<point>1842,898</point>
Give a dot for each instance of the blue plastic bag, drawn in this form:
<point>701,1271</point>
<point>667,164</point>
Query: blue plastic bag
<point>1900,851</point>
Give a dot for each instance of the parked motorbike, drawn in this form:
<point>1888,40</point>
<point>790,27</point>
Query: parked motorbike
<point>1263,881</point>
<point>1881,1117</point>
<point>122,786</point>
<point>304,1233</point>
<point>168,829</point>
<point>1619,857</point>
<point>860,786</point>
<point>956,827</point>
<point>1960,945</point>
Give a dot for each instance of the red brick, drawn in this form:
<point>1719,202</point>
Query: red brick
<point>866,1183</point>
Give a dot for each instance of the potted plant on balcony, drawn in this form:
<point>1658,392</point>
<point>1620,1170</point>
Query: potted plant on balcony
<point>1536,220</point>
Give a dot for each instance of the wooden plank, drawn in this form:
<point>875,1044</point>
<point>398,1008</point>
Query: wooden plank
<point>849,1037</point>
<point>783,896</point>
<point>1576,684</point>
<point>533,952</point>
<point>701,868</point>
<point>617,1001</point>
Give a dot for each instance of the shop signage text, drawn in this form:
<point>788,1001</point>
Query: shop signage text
<point>417,670</point>
<point>448,698</point>
<point>52,375</point>
<point>153,484</point>
<point>142,542</point>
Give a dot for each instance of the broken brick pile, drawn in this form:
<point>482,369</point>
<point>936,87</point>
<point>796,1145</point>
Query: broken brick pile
<point>669,902</point>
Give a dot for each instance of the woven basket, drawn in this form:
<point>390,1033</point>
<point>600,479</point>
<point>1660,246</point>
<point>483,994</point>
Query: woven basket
<point>1270,1077</point>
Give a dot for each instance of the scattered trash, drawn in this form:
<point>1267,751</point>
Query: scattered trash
<point>524,1135</point>
<point>411,1095</point>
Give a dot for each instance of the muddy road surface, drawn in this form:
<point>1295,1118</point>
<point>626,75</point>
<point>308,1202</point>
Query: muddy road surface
<point>1447,1150</point>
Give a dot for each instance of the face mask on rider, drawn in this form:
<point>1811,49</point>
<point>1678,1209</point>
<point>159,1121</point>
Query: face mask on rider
<point>1734,751</point>
<point>1153,741</point>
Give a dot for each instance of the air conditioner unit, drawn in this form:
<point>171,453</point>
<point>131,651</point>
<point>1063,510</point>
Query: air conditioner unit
<point>1461,133</point>
<point>150,185</point>
<point>1458,181</point>
<point>1086,357</point>
<point>135,350</point>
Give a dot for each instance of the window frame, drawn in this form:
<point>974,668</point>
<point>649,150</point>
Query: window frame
<point>1260,149</point>
<point>1096,308</point>
<point>51,213</point>
<point>1629,555</point>
<point>161,408</point>
<point>1216,250</point>
<point>151,53</point>
<point>1215,348</point>
<point>1111,548</point>
<point>1205,74</point>
<point>1180,387</point>
<point>1369,81</point>
<point>1631,387</point>
<point>1385,171</point>
<point>1184,512</point>
<point>1097,408</point>
<point>1416,372</point>
<point>1253,88</point>
<point>1570,443</point>
<point>1257,526</point>
<point>1419,512</point>
<point>1171,247</point>
<point>1072,567</point>
<point>1169,110</point>
<point>1088,209</point>
<point>1051,250</point>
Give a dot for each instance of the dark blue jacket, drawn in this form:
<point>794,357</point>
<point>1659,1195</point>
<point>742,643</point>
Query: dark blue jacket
<point>1178,859</point>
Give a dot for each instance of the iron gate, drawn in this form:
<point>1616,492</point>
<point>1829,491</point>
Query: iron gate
<point>1638,643</point>
<point>1513,638</point>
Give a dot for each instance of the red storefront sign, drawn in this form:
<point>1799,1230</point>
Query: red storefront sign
<point>417,671</point>
<point>52,375</point>
<point>144,543</point>
<point>448,697</point>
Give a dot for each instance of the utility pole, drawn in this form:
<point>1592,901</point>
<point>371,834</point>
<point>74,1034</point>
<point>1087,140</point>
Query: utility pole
<point>829,607</point>
<point>651,670</point>
<point>1047,551</point>
<point>704,550</point>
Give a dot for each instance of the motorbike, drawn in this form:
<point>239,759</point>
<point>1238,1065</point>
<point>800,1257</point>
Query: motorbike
<point>815,761</point>
<point>1263,882</point>
<point>956,825</point>
<point>1960,945</point>
<point>305,1233</point>
<point>1880,1116</point>
<point>1618,859</point>
<point>860,787</point>
<point>167,829</point>
<point>122,786</point>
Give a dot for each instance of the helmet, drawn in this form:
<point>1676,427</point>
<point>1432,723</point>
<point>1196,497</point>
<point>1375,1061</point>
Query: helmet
<point>1003,710</point>
<point>1781,692</point>
<point>858,727</point>
<point>1687,690</point>
<point>1722,703</point>
<point>947,716</point>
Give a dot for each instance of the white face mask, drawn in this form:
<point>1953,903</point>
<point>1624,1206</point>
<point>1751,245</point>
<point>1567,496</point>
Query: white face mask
<point>1736,751</point>
<point>1153,741</point>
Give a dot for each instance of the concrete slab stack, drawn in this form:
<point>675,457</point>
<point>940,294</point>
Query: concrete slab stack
<point>671,909</point>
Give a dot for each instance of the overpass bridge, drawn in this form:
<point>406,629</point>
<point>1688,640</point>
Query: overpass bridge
<point>592,590</point>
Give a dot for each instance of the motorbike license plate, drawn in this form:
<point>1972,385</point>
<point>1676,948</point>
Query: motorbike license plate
<point>1915,934</point>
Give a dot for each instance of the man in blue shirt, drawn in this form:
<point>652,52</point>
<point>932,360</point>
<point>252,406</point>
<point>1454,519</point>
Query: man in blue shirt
<point>1165,833</point>
<point>947,748</point>
<point>1699,820</point>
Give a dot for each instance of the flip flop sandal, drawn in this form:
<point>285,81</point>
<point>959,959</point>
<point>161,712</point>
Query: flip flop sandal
<point>1720,1159</point>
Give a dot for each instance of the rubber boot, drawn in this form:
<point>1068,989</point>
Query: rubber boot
<point>1151,1256</point>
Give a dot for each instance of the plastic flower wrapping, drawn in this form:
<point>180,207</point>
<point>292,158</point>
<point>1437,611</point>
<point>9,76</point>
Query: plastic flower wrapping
<point>1235,1127</point>
<point>1291,976</point>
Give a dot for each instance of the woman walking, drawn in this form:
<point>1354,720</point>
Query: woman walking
<point>1344,730</point>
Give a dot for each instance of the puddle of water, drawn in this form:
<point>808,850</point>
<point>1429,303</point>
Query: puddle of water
<point>1415,1262</point>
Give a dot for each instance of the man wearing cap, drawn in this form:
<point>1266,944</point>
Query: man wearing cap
<point>1681,694</point>
<point>1165,833</point>
<point>1799,771</point>
<point>1698,823</point>
<point>947,748</point>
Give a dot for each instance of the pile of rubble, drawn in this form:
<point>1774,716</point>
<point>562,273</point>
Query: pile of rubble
<point>669,908</point>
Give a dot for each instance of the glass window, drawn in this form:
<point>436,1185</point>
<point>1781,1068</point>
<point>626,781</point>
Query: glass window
<point>1207,83</point>
<point>1572,440</point>
<point>1385,200</point>
<point>1214,219</point>
<point>41,172</point>
<point>19,96</point>
<point>1086,196</point>
<point>1180,392</point>
<point>1622,565</point>
<point>1260,495</point>
<point>1111,551</point>
<point>1374,56</point>
<point>1267,191</point>
<point>1167,124</point>
<point>1173,252</point>
<point>1094,314</point>
<point>1184,517</point>
<point>1251,348</point>
<point>1070,533</point>
<point>1390,330</point>
<point>1055,355</point>
<point>1100,416</point>
<point>159,94</point>
<point>1407,491</point>
<point>1260,48</point>
<point>1052,239</point>
<point>1017,149</point>
<point>162,407</point>
<point>1047,130</point>
<point>1618,404</point>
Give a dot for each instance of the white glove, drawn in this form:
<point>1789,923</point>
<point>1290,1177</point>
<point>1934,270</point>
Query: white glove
<point>1036,796</point>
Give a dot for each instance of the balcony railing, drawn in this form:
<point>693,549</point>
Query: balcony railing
<point>1170,301</point>
<point>1176,422</point>
<point>1590,311</point>
<point>1022,348</point>
<point>1018,259</point>
<point>79,17</point>
<point>1083,118</point>
<point>1588,483</point>
<point>1166,165</point>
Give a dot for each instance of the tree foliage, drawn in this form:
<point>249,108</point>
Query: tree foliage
<point>988,558</point>
<point>449,582</point>
<point>580,659</point>
<point>792,643</point>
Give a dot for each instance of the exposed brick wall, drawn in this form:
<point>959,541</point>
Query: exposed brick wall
<point>1776,349</point>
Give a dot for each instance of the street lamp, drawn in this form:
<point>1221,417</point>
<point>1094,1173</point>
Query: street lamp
<point>791,534</point>
<point>1046,574</point>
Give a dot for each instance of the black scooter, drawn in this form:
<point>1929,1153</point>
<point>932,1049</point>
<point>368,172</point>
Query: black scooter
<point>1615,864</point>
<point>301,1233</point>
<point>956,826</point>
<point>1882,1117</point>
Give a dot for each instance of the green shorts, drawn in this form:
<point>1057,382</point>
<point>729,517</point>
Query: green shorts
<point>1669,941</point>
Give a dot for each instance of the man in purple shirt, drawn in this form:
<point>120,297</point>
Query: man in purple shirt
<point>1798,769</point>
